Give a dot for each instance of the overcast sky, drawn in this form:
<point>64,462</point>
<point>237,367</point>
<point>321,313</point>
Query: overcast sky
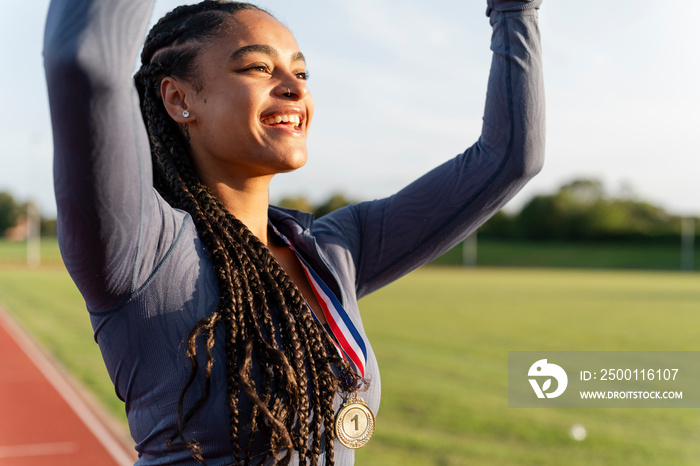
<point>399,87</point>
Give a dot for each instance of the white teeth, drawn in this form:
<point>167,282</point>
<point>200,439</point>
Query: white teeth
<point>296,119</point>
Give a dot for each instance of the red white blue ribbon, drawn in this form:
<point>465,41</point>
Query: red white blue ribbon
<point>350,344</point>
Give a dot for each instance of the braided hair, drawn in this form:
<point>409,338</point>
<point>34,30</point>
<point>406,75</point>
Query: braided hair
<point>265,319</point>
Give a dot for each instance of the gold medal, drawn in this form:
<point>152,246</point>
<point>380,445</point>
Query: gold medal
<point>354,425</point>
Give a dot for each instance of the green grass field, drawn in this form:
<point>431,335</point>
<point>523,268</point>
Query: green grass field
<point>597,255</point>
<point>15,253</point>
<point>442,337</point>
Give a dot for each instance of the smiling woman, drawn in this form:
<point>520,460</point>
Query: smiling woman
<point>251,81</point>
<point>230,327</point>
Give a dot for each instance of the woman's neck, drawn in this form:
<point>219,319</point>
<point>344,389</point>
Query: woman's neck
<point>248,200</point>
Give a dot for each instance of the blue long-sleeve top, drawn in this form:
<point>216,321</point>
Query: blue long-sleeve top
<point>141,266</point>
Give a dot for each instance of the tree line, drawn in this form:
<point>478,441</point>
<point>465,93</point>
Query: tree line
<point>582,211</point>
<point>578,211</point>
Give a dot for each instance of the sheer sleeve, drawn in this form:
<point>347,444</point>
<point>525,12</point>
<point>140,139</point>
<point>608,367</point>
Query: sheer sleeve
<point>113,227</point>
<point>390,237</point>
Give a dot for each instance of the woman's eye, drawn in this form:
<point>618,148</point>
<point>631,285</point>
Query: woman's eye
<point>303,75</point>
<point>261,68</point>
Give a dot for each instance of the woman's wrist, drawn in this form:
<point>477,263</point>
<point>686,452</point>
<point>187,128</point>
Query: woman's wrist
<point>511,5</point>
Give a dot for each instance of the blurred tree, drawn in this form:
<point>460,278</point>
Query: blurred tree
<point>501,225</point>
<point>539,219</point>
<point>580,210</point>
<point>9,212</point>
<point>296,202</point>
<point>581,192</point>
<point>336,201</point>
<point>48,227</point>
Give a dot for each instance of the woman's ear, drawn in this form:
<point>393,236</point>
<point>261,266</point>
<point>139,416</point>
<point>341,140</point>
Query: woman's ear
<point>174,94</point>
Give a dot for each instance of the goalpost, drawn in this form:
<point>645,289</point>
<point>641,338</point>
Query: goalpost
<point>33,235</point>
<point>688,243</point>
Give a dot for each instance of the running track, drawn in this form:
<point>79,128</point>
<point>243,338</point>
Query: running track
<point>43,420</point>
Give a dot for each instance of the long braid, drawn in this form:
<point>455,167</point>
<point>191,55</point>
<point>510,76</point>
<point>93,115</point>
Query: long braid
<point>293,403</point>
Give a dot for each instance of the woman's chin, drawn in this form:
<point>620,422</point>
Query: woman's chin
<point>294,163</point>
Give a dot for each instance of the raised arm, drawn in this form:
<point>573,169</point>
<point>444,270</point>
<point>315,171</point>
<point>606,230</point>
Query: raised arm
<point>102,164</point>
<point>390,237</point>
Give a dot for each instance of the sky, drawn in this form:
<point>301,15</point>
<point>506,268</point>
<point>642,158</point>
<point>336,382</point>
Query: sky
<point>399,87</point>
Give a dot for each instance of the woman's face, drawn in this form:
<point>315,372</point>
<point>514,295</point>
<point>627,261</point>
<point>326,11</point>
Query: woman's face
<point>252,114</point>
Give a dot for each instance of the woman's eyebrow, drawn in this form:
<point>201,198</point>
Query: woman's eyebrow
<point>264,49</point>
<point>299,57</point>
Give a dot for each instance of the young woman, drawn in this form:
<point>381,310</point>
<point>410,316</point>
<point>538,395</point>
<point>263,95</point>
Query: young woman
<point>230,328</point>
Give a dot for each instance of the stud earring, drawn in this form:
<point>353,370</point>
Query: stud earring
<point>185,113</point>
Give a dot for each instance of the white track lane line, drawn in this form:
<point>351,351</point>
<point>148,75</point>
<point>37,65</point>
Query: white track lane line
<point>38,449</point>
<point>114,448</point>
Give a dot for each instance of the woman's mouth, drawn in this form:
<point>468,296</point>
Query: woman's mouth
<point>283,119</point>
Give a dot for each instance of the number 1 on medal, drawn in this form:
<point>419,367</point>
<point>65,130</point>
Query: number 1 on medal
<point>354,424</point>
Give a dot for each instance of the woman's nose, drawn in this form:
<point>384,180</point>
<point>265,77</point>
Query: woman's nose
<point>293,89</point>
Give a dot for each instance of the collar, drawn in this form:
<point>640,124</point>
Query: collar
<point>296,226</point>
<point>280,215</point>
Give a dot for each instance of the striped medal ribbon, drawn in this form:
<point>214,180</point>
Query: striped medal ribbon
<point>354,424</point>
<point>348,340</point>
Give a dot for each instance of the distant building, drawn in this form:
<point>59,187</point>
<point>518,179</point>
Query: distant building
<point>19,232</point>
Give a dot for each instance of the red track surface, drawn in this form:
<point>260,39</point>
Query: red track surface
<point>43,421</point>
